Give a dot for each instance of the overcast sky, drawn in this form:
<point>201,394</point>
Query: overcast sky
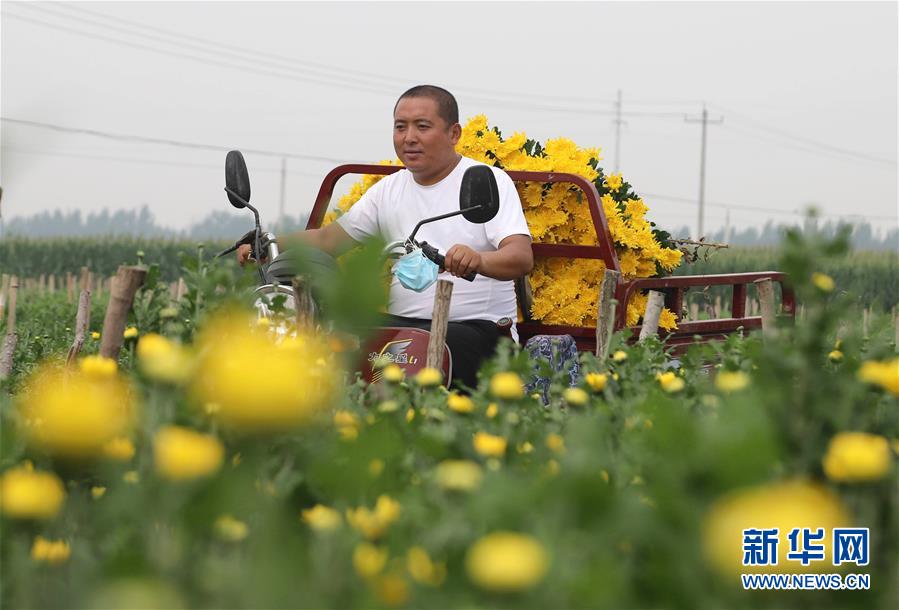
<point>807,92</point>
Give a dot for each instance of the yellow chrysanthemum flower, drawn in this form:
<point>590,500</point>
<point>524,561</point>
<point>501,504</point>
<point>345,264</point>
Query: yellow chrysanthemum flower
<point>181,454</point>
<point>229,529</point>
<point>53,552</point>
<point>369,560</point>
<point>731,381</point>
<point>374,523</point>
<point>884,374</point>
<point>458,475</point>
<point>164,360</point>
<point>423,569</point>
<point>130,333</point>
<point>506,562</point>
<point>489,445</point>
<point>322,518</point>
<point>393,373</point>
<point>459,403</point>
<point>26,493</point>
<point>429,377</point>
<point>119,449</point>
<point>507,385</point>
<point>670,382</point>
<point>854,457</point>
<point>576,397</point>
<point>597,381</point>
<point>823,282</point>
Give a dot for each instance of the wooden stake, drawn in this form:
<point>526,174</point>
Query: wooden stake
<point>82,323</point>
<point>865,317</point>
<point>766,302</point>
<point>439,322</point>
<point>654,305</point>
<point>9,343</point>
<point>42,283</point>
<point>4,289</point>
<point>605,317</point>
<point>51,285</point>
<point>182,288</point>
<point>85,279</point>
<point>896,328</point>
<point>694,311</point>
<point>304,303</point>
<point>127,281</point>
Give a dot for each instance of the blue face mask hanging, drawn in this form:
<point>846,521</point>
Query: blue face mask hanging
<point>415,271</point>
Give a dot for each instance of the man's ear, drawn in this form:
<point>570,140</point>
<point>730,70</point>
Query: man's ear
<point>455,133</point>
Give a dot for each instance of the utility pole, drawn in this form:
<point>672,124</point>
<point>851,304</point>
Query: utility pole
<point>705,121</point>
<point>618,122</point>
<point>283,188</point>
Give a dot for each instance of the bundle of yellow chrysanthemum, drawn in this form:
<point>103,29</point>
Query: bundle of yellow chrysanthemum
<point>565,290</point>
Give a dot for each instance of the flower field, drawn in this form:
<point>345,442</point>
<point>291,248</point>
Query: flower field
<point>212,466</point>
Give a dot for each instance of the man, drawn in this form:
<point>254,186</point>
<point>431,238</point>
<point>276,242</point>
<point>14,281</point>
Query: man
<point>425,133</point>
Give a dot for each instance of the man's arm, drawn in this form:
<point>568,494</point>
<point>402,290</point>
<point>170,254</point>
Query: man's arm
<point>331,239</point>
<point>513,259</point>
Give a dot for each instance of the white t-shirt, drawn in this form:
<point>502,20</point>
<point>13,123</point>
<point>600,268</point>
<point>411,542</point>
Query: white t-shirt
<point>393,206</point>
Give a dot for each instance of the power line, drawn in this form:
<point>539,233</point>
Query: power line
<point>149,140</point>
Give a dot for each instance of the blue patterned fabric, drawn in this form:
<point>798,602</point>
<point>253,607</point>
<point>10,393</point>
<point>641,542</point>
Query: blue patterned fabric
<point>561,353</point>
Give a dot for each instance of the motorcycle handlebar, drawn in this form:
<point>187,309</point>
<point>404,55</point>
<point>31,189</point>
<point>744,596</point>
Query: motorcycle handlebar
<point>432,253</point>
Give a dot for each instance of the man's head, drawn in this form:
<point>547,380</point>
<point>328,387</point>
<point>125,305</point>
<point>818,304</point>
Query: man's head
<point>425,132</point>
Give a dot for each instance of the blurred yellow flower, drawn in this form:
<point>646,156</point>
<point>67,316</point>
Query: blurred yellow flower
<point>576,397</point>
<point>322,518</point>
<point>26,493</point>
<point>854,457</point>
<point>885,374</point>
<point>422,569</point>
<point>181,454</point>
<point>459,404</point>
<point>369,560</point>
<point>52,552</point>
<point>506,562</point>
<point>524,447</point>
<point>555,443</point>
<point>373,523</point>
<point>347,425</point>
<point>229,529</point>
<point>163,359</point>
<point>458,475</point>
<point>376,467</point>
<point>392,589</point>
<point>388,406</point>
<point>410,414</point>
<point>783,505</point>
<point>119,449</point>
<point>261,385</point>
<point>507,385</point>
<point>597,381</point>
<point>823,282</point>
<point>95,335</point>
<point>492,410</point>
<point>75,414</point>
<point>619,356</point>
<point>131,477</point>
<point>428,377</point>
<point>98,492</point>
<point>130,332</point>
<point>98,366</point>
<point>670,382</point>
<point>731,381</point>
<point>489,445</point>
<point>835,356</point>
<point>394,373</point>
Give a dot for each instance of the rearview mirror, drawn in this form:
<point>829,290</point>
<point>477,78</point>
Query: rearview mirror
<point>237,179</point>
<point>479,195</point>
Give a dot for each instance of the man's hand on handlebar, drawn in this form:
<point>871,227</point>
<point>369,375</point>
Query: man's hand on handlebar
<point>460,260</point>
<point>243,254</point>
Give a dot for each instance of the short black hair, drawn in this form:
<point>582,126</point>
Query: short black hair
<point>447,107</point>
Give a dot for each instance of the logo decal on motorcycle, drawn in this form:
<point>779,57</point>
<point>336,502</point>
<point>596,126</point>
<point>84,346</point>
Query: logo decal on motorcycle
<point>393,352</point>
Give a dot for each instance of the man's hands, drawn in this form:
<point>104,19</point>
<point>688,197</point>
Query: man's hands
<point>460,260</point>
<point>243,254</point>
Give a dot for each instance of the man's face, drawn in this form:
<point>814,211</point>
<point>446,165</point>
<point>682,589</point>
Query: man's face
<point>422,140</point>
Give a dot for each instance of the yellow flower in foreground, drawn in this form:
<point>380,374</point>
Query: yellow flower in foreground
<point>120,449</point>
<point>884,374</point>
<point>181,454</point>
<point>282,385</point>
<point>492,410</point>
<point>506,562</point>
<point>459,403</point>
<point>576,397</point>
<point>229,529</point>
<point>670,382</point>
<point>784,505</point>
<point>428,377</point>
<point>322,518</point>
<point>597,381</point>
<point>619,356</point>
<point>373,523</point>
<point>555,443</point>
<point>394,373</point>
<point>489,445</point>
<point>857,456</point>
<point>26,493</point>
<point>507,386</point>
<point>130,332</point>
<point>98,492</point>
<point>163,359</point>
<point>422,569</point>
<point>835,356</point>
<point>392,589</point>
<point>613,181</point>
<point>458,475</point>
<point>731,381</point>
<point>347,425</point>
<point>75,414</point>
<point>52,552</point>
<point>369,560</point>
<point>95,335</point>
<point>98,366</point>
<point>823,282</point>
<point>131,477</point>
